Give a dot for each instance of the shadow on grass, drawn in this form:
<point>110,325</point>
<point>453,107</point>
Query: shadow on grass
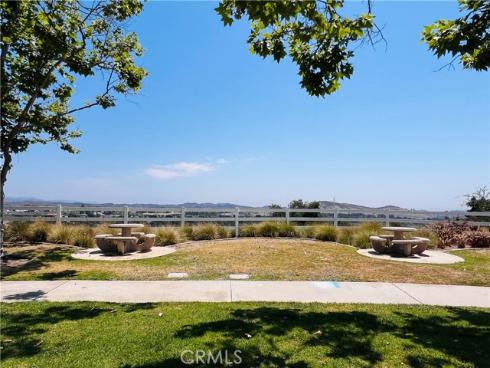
<point>22,332</point>
<point>34,260</point>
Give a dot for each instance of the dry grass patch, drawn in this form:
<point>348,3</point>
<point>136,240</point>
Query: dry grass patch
<point>263,259</point>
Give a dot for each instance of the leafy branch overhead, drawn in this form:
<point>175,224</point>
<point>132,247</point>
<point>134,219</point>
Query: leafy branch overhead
<point>312,33</point>
<point>45,47</point>
<point>320,40</point>
<point>467,38</point>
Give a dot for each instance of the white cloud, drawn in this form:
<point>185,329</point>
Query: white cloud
<point>180,169</point>
<point>223,161</point>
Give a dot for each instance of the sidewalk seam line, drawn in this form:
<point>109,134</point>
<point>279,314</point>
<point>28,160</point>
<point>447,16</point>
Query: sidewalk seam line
<point>403,291</point>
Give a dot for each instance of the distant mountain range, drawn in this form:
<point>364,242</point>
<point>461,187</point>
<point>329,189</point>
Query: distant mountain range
<point>349,206</point>
<point>324,204</point>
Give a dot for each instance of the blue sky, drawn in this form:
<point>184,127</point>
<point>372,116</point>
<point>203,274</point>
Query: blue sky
<point>214,123</point>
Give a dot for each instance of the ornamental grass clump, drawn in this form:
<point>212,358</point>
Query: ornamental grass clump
<point>39,231</point>
<point>61,234</point>
<point>83,236</point>
<point>248,231</point>
<point>361,239</point>
<point>346,236</point>
<point>166,236</point>
<point>17,231</point>
<point>204,232</point>
<point>286,230</point>
<point>268,229</point>
<point>326,233</point>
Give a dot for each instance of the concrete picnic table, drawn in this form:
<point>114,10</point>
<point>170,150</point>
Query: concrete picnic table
<point>126,228</point>
<point>398,231</point>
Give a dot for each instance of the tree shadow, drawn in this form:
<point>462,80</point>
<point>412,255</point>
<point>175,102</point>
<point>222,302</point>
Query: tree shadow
<point>66,274</point>
<point>29,295</point>
<point>22,332</point>
<point>462,335</point>
<point>31,260</point>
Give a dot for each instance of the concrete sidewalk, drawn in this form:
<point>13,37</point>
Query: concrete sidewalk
<point>234,291</point>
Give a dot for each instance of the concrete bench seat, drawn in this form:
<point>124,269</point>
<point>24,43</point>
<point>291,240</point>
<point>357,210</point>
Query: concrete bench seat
<point>123,244</point>
<point>404,247</point>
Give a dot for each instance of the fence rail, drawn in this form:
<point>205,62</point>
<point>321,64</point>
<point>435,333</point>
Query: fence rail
<point>234,216</point>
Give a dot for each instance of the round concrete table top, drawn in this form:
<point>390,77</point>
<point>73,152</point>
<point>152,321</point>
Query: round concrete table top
<point>429,256</point>
<point>398,228</point>
<point>126,225</point>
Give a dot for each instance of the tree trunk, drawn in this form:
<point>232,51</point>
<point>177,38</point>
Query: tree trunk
<point>7,164</point>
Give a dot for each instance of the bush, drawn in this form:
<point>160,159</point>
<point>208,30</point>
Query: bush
<point>249,230</point>
<point>373,227</point>
<point>286,230</point>
<point>187,232</point>
<point>83,236</point>
<point>361,239</point>
<point>346,236</point>
<point>268,229</point>
<point>307,232</point>
<point>204,232</point>
<point>450,233</point>
<point>326,233</point>
<point>165,237</point>
<point>17,231</point>
<point>475,239</point>
<point>221,232</point>
<point>105,229</point>
<point>39,231</point>
<point>61,234</point>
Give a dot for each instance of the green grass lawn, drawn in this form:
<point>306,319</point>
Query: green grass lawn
<point>43,334</point>
<point>263,259</point>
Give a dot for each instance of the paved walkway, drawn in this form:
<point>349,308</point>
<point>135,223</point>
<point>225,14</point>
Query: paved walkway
<point>233,291</point>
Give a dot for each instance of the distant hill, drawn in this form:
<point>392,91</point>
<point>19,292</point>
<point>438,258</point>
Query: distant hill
<point>25,201</point>
<point>329,205</point>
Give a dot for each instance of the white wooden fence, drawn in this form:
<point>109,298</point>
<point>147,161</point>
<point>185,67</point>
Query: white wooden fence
<point>233,216</point>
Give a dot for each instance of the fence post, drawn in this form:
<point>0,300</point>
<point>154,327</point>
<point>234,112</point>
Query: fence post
<point>126,214</point>
<point>59,211</point>
<point>287,215</point>
<point>237,226</point>
<point>335,218</point>
<point>182,217</point>
<point>387,216</point>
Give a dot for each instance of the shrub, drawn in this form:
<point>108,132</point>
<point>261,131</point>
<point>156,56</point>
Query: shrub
<point>166,237</point>
<point>475,239</point>
<point>61,234</point>
<point>361,239</point>
<point>326,233</point>
<point>346,236</point>
<point>221,232</point>
<point>105,229</point>
<point>307,232</point>
<point>450,233</point>
<point>249,230</point>
<point>372,227</point>
<point>39,231</point>
<point>204,232</point>
<point>286,230</point>
<point>83,236</point>
<point>187,232</point>
<point>17,231</point>
<point>268,229</point>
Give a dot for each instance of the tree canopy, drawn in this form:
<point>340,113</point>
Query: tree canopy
<point>466,38</point>
<point>317,37</point>
<point>45,46</point>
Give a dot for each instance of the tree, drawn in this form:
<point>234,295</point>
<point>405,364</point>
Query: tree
<point>274,206</point>
<point>479,201</point>
<point>299,203</point>
<point>312,33</point>
<point>320,40</point>
<point>466,38</point>
<point>45,45</point>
